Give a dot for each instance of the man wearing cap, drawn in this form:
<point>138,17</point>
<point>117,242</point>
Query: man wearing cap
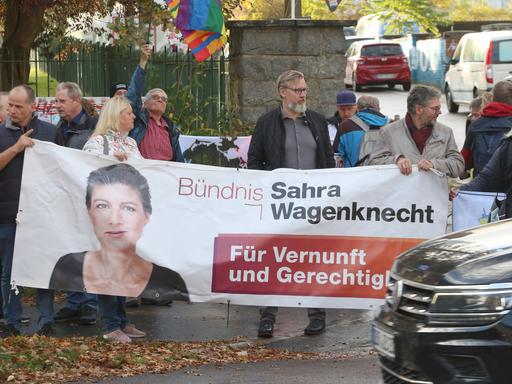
<point>361,128</point>
<point>156,135</point>
<point>118,89</point>
<point>345,109</point>
<point>290,136</point>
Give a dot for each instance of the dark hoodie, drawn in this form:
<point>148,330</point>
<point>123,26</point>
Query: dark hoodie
<point>486,134</point>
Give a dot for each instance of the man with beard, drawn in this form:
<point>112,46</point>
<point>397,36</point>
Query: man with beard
<point>291,136</point>
<point>419,138</point>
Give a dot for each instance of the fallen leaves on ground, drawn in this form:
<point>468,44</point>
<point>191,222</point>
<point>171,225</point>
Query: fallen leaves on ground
<point>40,359</point>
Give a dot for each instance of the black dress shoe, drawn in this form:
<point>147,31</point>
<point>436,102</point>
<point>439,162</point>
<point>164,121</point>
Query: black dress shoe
<point>315,327</point>
<point>266,329</point>
<point>46,330</point>
<point>9,330</point>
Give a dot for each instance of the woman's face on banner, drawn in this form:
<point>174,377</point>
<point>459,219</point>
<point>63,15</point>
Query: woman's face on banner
<point>117,215</point>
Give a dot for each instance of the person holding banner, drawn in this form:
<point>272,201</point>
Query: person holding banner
<point>16,134</point>
<point>119,205</point>
<point>419,138</point>
<point>73,130</point>
<point>291,136</point>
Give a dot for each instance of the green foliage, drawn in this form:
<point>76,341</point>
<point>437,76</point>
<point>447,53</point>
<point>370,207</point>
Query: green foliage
<point>478,10</point>
<point>401,14</point>
<point>315,9</point>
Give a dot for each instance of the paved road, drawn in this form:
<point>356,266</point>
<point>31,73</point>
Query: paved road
<point>355,371</point>
<point>394,102</point>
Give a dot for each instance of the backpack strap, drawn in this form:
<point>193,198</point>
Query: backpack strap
<point>105,145</point>
<point>356,119</point>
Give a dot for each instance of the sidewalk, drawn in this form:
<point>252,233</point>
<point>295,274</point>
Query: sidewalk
<point>345,346</point>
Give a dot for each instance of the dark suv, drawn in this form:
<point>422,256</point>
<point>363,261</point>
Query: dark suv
<point>447,315</point>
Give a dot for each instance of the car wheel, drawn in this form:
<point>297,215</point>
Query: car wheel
<point>356,87</point>
<point>391,86</point>
<point>406,87</point>
<point>452,107</point>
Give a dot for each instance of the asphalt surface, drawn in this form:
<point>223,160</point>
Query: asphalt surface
<point>345,352</point>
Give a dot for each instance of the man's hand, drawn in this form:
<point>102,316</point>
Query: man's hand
<point>145,54</point>
<point>453,193</point>
<point>121,156</point>
<point>425,165</point>
<point>24,141</point>
<point>405,165</point>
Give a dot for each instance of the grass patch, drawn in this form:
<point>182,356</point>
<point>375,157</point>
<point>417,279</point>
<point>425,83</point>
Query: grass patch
<point>43,83</point>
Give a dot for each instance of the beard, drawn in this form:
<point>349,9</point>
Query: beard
<point>298,108</point>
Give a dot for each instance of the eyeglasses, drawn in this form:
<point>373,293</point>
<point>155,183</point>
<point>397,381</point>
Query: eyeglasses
<point>298,91</point>
<point>436,109</point>
<point>159,98</point>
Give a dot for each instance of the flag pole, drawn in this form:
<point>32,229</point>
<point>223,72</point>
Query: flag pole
<point>149,24</point>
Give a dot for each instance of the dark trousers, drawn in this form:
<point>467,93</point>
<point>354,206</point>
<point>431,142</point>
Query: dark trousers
<point>269,313</point>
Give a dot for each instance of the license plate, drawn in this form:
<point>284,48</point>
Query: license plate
<point>383,341</point>
<point>385,76</point>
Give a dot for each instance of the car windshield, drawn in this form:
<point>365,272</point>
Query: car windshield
<point>381,50</point>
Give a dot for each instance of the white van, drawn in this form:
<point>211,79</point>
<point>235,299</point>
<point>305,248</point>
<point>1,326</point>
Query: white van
<point>480,60</point>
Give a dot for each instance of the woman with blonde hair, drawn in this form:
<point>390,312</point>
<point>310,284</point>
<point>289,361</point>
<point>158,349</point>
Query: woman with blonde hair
<point>111,138</point>
<point>111,134</point>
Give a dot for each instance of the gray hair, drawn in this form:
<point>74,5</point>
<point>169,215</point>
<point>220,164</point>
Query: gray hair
<point>368,102</point>
<point>502,92</point>
<point>287,77</point>
<point>421,95</point>
<point>73,89</point>
<point>476,102</point>
<point>151,92</point>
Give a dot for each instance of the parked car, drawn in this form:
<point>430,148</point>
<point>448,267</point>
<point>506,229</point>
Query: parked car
<point>479,61</point>
<point>372,62</point>
<point>447,317</point>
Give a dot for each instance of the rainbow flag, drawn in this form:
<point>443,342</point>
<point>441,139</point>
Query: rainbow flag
<point>202,24</point>
<point>173,5</point>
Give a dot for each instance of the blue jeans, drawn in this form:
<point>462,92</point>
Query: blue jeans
<point>11,307</point>
<point>112,312</point>
<point>78,300</point>
<point>44,304</point>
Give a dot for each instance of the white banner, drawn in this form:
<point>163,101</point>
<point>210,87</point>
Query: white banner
<point>471,209</point>
<point>319,238</point>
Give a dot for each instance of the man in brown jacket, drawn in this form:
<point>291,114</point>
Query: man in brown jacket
<point>418,138</point>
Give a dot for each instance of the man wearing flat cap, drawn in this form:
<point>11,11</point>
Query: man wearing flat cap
<point>345,108</point>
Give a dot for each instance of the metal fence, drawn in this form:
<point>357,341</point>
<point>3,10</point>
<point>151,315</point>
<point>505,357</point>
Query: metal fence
<point>198,92</point>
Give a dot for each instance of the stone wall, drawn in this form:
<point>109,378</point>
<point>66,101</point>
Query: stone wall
<point>261,50</point>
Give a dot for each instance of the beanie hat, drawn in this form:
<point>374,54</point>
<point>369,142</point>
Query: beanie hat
<point>346,98</point>
<point>116,87</point>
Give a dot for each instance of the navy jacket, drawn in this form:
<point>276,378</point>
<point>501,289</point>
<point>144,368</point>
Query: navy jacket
<point>78,134</point>
<point>10,176</point>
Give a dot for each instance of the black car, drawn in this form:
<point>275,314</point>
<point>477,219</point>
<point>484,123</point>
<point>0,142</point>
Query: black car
<point>447,316</point>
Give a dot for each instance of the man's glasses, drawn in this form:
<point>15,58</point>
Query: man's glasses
<point>298,91</point>
<point>436,109</point>
<point>159,98</point>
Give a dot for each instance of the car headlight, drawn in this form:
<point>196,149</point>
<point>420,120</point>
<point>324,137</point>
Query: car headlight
<point>473,308</point>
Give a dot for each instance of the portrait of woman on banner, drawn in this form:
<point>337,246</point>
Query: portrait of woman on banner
<point>118,202</point>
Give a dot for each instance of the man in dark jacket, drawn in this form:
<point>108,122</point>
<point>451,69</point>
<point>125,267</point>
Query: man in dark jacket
<point>155,134</point>
<point>345,108</point>
<point>73,130</point>
<point>291,136</point>
<point>16,134</point>
<point>487,132</point>
<point>75,125</point>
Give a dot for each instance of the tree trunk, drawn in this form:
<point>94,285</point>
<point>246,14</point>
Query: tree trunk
<point>22,25</point>
<point>288,8</point>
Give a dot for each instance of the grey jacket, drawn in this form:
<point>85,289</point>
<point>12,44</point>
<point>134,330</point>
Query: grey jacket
<point>441,150</point>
